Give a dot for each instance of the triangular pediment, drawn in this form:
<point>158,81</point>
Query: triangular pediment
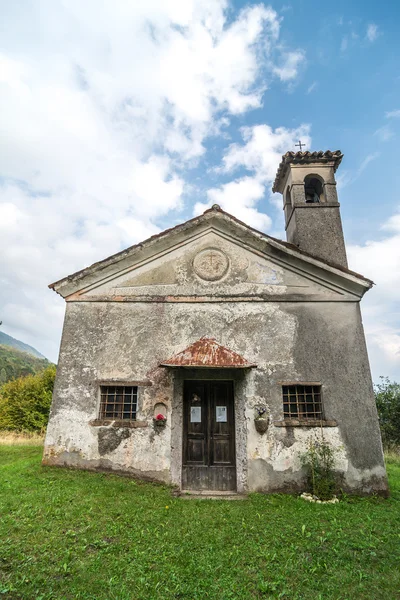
<point>214,258</point>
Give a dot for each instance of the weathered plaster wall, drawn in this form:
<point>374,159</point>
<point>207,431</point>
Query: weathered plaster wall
<point>290,341</point>
<point>317,229</point>
<point>329,348</point>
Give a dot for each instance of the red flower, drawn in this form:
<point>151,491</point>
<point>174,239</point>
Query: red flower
<point>160,417</point>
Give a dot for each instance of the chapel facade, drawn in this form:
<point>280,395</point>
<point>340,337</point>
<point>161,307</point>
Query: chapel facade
<point>209,355</point>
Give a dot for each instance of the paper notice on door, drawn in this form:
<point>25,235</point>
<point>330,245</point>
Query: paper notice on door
<point>221,414</point>
<point>195,414</point>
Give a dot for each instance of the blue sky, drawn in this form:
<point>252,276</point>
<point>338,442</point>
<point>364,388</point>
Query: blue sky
<point>120,119</point>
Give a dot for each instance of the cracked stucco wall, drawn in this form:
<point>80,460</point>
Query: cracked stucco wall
<point>290,341</point>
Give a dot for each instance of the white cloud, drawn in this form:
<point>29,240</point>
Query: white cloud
<point>263,149</point>
<point>312,87</point>
<point>384,134</point>
<point>393,114</point>
<point>380,260</point>
<point>260,155</point>
<point>238,198</point>
<point>345,178</point>
<point>372,32</point>
<point>289,67</point>
<point>392,224</point>
<point>10,216</point>
<point>99,121</point>
<point>352,38</point>
<point>364,164</point>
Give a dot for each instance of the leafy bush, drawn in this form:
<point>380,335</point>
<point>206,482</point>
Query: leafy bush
<point>387,396</point>
<point>319,461</point>
<point>25,402</point>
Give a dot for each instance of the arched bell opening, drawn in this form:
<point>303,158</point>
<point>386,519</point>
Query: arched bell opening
<point>313,189</point>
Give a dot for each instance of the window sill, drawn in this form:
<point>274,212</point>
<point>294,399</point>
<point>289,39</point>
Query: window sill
<point>118,423</point>
<point>305,423</point>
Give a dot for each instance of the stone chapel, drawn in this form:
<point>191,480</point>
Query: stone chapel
<point>173,348</point>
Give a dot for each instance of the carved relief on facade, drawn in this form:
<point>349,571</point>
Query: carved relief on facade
<point>211,264</point>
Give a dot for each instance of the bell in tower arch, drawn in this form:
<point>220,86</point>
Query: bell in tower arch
<point>313,189</point>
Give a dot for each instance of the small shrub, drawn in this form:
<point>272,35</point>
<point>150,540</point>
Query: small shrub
<point>25,402</point>
<point>319,461</point>
<point>387,397</point>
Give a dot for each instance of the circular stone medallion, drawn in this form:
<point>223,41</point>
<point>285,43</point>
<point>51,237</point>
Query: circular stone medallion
<point>211,264</point>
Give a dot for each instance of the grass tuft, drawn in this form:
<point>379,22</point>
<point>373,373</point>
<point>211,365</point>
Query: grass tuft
<point>14,438</point>
<point>392,455</point>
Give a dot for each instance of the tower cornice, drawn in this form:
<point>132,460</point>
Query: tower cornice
<point>326,157</point>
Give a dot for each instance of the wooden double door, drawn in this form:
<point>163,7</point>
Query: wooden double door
<point>208,436</point>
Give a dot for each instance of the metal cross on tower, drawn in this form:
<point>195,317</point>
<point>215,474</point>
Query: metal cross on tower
<point>300,144</point>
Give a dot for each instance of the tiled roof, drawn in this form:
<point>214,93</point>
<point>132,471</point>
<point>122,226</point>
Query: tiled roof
<point>304,158</point>
<point>208,353</point>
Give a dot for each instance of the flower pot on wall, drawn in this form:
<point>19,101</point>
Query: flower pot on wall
<point>159,421</point>
<point>261,424</point>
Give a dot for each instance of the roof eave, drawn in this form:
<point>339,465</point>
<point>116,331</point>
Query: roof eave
<point>343,272</point>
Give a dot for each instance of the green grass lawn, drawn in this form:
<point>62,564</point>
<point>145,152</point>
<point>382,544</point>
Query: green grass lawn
<point>71,534</point>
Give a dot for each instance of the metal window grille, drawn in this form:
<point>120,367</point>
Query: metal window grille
<point>118,402</point>
<point>302,402</point>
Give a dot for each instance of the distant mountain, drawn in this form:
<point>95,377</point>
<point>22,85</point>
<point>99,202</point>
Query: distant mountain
<point>7,340</point>
<point>16,363</point>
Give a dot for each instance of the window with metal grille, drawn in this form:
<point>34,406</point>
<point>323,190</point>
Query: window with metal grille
<point>302,402</point>
<point>118,402</point>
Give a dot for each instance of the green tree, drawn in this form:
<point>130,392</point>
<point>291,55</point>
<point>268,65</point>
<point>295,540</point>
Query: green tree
<point>387,396</point>
<point>25,402</point>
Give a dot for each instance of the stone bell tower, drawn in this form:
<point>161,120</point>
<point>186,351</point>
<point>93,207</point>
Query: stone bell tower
<point>312,214</point>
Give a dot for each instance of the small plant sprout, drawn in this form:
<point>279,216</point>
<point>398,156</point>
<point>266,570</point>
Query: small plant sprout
<point>261,419</point>
<point>261,412</point>
<point>319,462</point>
